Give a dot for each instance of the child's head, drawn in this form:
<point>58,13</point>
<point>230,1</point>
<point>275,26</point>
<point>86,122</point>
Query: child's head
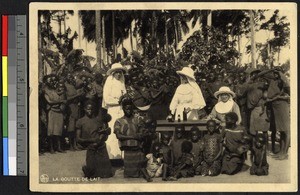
<point>156,149</point>
<point>211,126</point>
<point>106,118</point>
<point>231,118</point>
<point>195,134</point>
<point>165,138</point>
<point>186,147</point>
<point>179,131</point>
<point>260,140</point>
<point>150,124</point>
<point>127,106</point>
<point>89,108</point>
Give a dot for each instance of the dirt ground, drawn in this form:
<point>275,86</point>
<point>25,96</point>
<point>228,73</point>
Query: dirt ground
<point>66,168</point>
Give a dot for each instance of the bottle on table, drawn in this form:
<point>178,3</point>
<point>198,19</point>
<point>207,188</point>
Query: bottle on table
<point>184,115</point>
<point>178,118</point>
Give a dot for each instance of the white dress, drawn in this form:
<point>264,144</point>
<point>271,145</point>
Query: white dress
<point>112,92</point>
<point>187,97</point>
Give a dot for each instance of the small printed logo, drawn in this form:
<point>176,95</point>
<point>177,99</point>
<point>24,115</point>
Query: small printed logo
<point>44,178</point>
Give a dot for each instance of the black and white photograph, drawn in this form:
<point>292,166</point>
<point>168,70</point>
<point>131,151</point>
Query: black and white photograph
<point>130,97</point>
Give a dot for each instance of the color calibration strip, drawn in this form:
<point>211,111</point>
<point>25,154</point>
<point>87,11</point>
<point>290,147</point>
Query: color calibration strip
<point>5,93</point>
<point>14,95</point>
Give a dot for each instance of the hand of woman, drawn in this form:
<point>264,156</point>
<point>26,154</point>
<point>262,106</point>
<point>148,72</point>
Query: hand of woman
<point>188,109</point>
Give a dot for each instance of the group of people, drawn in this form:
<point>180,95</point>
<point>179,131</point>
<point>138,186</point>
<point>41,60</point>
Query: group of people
<point>115,118</point>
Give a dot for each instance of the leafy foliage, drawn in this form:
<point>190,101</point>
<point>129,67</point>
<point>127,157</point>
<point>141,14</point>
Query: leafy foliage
<point>201,52</point>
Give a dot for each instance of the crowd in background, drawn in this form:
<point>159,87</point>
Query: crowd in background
<point>76,100</point>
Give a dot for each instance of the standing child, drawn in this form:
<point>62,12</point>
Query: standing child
<point>168,157</point>
<point>197,149</point>
<point>260,165</point>
<point>92,133</point>
<point>235,147</point>
<point>177,141</point>
<point>212,153</point>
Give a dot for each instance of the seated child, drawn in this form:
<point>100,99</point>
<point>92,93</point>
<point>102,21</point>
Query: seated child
<point>197,150</point>
<point>177,142</point>
<point>235,147</point>
<point>259,162</point>
<point>155,160</point>
<point>212,153</point>
<point>184,167</point>
<point>92,132</point>
<point>168,157</point>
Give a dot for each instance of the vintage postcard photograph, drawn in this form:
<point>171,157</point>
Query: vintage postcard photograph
<point>163,97</point>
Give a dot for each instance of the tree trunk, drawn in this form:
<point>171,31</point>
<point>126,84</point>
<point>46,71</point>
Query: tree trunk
<point>166,35</point>
<point>113,36</point>
<point>40,45</point>
<point>239,50</point>
<point>103,41</point>
<point>278,56</point>
<point>176,34</point>
<point>79,31</point>
<point>65,25</point>
<point>269,55</point>
<point>153,32</point>
<point>209,19</point>
<point>131,41</point>
<point>253,44</point>
<point>98,40</point>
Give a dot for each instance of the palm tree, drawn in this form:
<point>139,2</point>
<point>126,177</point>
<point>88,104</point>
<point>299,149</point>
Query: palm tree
<point>253,44</point>
<point>98,38</point>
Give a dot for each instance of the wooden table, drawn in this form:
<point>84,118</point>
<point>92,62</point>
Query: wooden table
<point>166,126</point>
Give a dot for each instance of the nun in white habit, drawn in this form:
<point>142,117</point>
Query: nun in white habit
<point>188,96</point>
<point>113,89</point>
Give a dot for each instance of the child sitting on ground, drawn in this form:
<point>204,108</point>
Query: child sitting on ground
<point>235,149</point>
<point>155,160</point>
<point>184,167</point>
<point>212,153</point>
<point>197,150</point>
<point>259,162</point>
<point>177,141</point>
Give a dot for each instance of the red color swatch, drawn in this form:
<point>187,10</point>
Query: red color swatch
<point>4,35</point>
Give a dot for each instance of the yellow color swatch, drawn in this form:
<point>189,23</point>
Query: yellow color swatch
<point>4,76</point>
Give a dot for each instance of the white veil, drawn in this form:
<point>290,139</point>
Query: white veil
<point>113,88</point>
<point>199,99</point>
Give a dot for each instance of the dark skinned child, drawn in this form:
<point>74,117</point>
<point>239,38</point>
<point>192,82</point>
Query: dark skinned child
<point>155,160</point>
<point>177,141</point>
<point>235,149</point>
<point>184,168</point>
<point>197,150</point>
<point>259,162</point>
<point>212,153</point>
<point>168,157</point>
<point>92,132</point>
